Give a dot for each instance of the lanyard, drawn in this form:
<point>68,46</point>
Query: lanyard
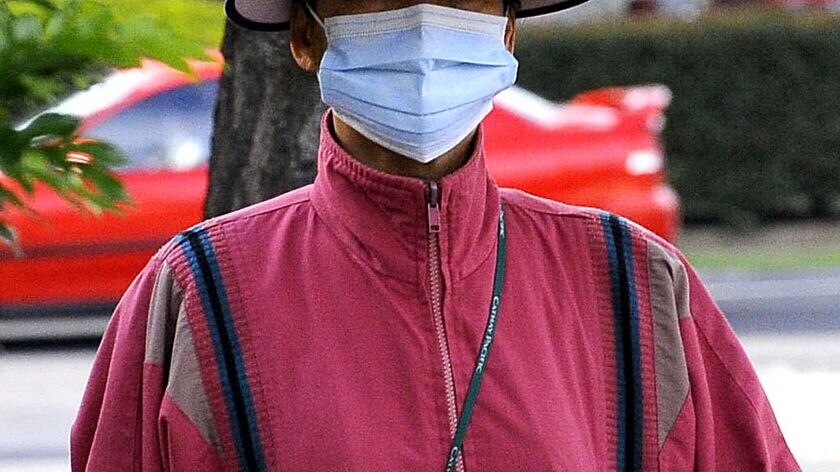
<point>483,352</point>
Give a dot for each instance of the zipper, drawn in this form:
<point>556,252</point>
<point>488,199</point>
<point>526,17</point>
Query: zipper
<point>435,282</point>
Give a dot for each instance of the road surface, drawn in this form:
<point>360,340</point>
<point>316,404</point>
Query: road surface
<point>804,301</point>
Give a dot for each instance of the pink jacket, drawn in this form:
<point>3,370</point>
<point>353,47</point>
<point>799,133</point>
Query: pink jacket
<point>335,328</point>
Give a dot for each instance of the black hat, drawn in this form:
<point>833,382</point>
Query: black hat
<point>273,15</point>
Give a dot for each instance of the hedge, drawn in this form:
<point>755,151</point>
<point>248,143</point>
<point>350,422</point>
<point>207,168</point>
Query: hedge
<point>754,128</point>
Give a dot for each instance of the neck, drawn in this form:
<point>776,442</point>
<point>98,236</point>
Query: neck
<point>385,160</point>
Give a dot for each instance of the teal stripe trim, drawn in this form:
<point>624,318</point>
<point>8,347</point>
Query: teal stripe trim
<point>629,413</point>
<point>233,377</point>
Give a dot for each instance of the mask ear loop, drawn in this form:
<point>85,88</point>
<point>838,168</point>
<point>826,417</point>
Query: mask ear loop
<point>314,15</point>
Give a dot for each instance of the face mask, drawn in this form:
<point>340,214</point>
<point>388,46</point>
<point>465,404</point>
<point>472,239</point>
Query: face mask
<point>417,80</point>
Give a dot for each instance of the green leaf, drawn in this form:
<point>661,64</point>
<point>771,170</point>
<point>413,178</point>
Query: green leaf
<point>9,196</point>
<point>50,47</point>
<point>152,39</point>
<point>197,21</point>
<point>51,124</point>
<point>104,154</point>
<point>41,88</point>
<point>6,232</point>
<point>107,185</point>
<point>45,4</point>
<point>11,147</point>
<point>27,28</point>
<point>8,235</point>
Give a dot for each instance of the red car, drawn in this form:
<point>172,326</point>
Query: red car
<point>602,149</point>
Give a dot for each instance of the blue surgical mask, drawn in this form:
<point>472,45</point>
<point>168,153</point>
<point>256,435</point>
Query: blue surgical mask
<point>417,80</point>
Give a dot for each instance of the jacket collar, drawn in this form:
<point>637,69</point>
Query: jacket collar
<point>383,218</point>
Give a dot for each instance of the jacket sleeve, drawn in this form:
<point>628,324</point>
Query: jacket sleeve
<point>144,405</point>
<point>726,422</point>
<point>115,428</point>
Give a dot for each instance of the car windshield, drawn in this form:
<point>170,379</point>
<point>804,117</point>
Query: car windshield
<point>169,130</point>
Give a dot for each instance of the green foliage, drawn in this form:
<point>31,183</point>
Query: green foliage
<point>754,129</point>
<point>47,151</point>
<point>201,21</point>
<point>48,47</point>
<point>51,47</point>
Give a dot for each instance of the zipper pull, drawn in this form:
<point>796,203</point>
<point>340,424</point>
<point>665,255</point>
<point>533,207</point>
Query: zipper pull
<point>433,206</point>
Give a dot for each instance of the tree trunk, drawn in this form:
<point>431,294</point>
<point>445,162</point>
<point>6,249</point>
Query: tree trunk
<point>266,128</point>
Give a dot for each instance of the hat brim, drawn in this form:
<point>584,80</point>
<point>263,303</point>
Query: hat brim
<point>273,15</point>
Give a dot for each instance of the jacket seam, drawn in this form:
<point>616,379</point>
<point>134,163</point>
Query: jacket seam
<point>169,254</point>
<point>245,302</point>
<point>352,254</point>
<point>607,347</point>
<point>176,294</point>
<point>137,434</point>
<point>725,366</point>
<point>371,176</point>
<point>137,453</point>
<point>242,329</point>
<point>484,258</point>
<point>647,342</point>
<point>207,367</point>
<point>582,213</point>
<point>560,214</point>
<point>226,219</point>
<point>726,369</point>
<point>674,426</point>
<point>195,427</point>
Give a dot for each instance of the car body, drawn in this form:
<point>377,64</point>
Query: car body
<point>601,149</point>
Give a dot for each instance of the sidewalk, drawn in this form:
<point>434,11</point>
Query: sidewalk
<point>38,402</point>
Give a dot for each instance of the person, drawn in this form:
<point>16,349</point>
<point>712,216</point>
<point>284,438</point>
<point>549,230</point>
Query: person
<point>404,312</point>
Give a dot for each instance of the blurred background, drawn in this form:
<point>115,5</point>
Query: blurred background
<point>714,123</point>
